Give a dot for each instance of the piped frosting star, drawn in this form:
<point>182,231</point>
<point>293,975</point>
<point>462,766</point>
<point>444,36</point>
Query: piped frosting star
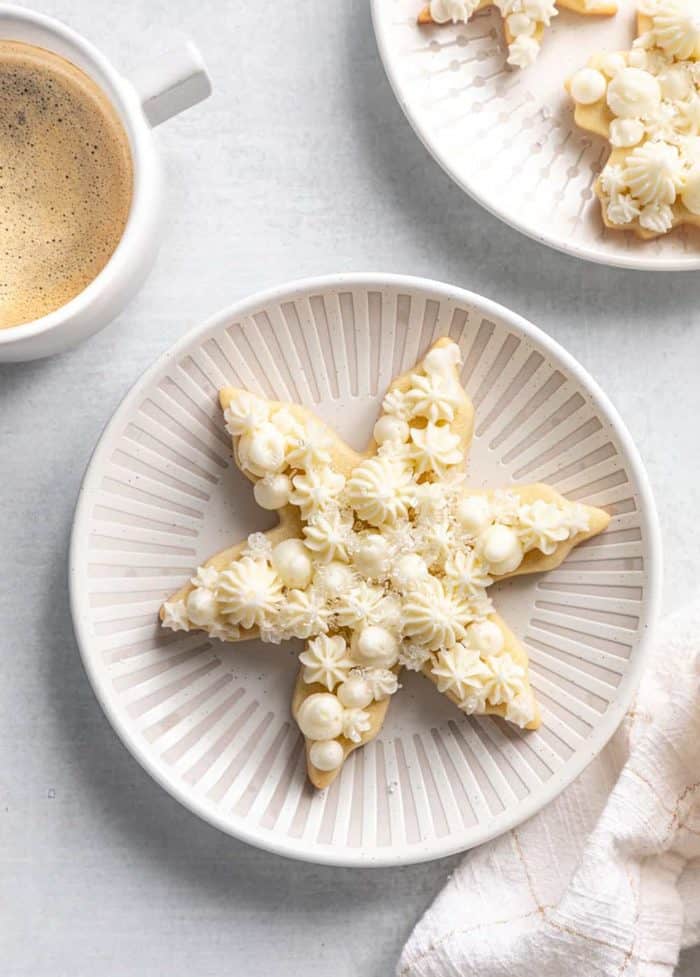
<point>380,561</point>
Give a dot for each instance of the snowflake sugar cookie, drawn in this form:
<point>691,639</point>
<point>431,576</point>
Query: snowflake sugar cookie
<point>525,20</point>
<point>646,102</point>
<point>381,560</point>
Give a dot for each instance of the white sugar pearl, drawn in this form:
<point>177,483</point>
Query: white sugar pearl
<point>486,636</point>
<point>625,132</point>
<point>588,86</point>
<point>326,755</point>
<point>474,513</point>
<point>691,190</point>
<point>320,716</point>
<point>272,492</point>
<point>372,555</point>
<point>520,24</point>
<point>355,693</point>
<point>408,567</point>
<point>335,577</point>
<point>610,64</point>
<point>389,428</point>
<point>202,607</point>
<point>292,562</point>
<point>376,646</point>
<point>501,549</point>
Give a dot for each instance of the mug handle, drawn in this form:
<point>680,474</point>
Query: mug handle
<point>175,81</point>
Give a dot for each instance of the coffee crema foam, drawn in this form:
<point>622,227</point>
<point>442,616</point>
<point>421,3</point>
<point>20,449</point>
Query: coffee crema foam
<point>65,182</point>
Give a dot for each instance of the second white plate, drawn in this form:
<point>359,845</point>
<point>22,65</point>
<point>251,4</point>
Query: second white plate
<point>211,722</point>
<point>508,137</point>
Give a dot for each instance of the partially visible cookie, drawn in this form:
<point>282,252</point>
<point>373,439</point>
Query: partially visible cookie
<point>524,20</point>
<point>646,103</point>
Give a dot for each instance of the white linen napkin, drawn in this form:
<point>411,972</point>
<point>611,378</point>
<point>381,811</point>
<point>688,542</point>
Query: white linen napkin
<point>605,881</point>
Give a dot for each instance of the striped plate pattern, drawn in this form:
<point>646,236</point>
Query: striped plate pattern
<point>507,136</point>
<point>212,721</point>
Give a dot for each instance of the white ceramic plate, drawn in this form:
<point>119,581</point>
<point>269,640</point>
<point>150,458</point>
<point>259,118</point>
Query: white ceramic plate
<point>211,722</point>
<point>507,136</point>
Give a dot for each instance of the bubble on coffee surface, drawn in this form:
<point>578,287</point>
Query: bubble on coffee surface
<point>65,182</point>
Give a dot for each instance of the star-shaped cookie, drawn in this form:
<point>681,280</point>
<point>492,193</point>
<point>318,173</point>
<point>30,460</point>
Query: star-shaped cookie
<point>381,560</point>
<point>524,20</point>
<point>646,103</point>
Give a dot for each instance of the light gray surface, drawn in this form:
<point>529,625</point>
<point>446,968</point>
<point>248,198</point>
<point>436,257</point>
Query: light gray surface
<point>301,163</point>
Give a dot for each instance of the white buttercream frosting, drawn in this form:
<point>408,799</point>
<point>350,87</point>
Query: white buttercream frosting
<point>381,490</point>
<point>433,396</point>
<point>544,525</point>
<point>326,661</point>
<point>461,671</point>
<point>413,656</point>
<point>653,173</point>
<point>312,449</point>
<point>467,572</point>
<point>521,709</point>
<point>248,592</point>
<point>506,680</point>
<point>435,615</point>
<point>676,28</point>
<point>245,413</point>
<point>523,51</point>
<point>175,616</point>
<point>315,489</point>
<point>355,723</point>
<point>327,534</point>
<point>434,449</point>
<point>382,682</point>
<point>305,613</point>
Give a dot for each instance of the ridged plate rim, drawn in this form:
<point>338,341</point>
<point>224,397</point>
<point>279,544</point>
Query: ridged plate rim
<point>426,851</point>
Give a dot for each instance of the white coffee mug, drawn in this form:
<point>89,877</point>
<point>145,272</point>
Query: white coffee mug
<point>172,83</point>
